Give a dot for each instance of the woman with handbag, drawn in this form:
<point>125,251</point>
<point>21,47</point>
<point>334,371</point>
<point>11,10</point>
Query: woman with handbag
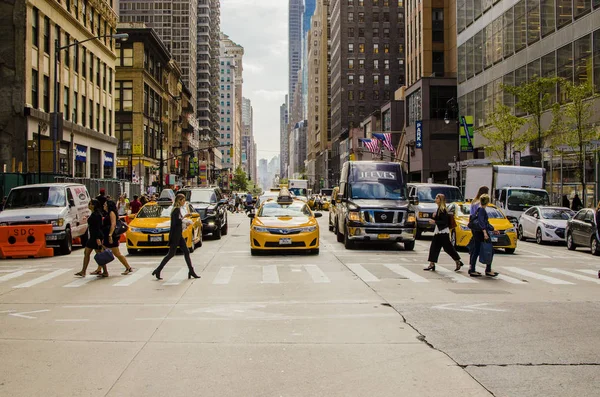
<point>176,239</point>
<point>111,240</point>
<point>441,238</point>
<point>95,234</point>
<point>481,228</point>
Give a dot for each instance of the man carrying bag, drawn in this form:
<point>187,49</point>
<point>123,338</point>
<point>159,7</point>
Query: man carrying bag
<point>481,245</point>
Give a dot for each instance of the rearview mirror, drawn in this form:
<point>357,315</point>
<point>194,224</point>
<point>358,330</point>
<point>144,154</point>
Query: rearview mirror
<point>317,214</point>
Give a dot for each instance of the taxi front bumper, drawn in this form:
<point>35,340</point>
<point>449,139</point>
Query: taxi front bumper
<point>151,241</point>
<point>380,233</point>
<point>269,241</point>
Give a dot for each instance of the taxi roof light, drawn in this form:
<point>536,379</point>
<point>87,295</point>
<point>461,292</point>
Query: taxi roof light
<point>284,197</point>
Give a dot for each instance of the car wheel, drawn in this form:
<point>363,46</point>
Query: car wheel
<point>338,235</point>
<point>217,233</point>
<point>225,227</point>
<point>595,246</point>
<point>509,250</point>
<point>348,244</point>
<point>570,244</point>
<point>66,246</point>
<point>538,237</point>
<point>409,245</point>
<point>419,234</point>
<point>520,233</point>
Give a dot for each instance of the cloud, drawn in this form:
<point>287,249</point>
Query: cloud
<point>252,68</point>
<point>270,95</point>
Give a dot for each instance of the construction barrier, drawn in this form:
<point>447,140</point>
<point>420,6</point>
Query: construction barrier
<point>25,241</point>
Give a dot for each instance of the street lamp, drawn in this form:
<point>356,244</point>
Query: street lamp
<point>55,116</point>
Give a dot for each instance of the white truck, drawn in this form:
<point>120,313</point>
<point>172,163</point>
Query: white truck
<point>513,188</point>
<point>299,187</point>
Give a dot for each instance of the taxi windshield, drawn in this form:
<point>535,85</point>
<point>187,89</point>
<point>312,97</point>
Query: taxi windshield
<point>155,211</point>
<point>493,213</point>
<point>273,209</point>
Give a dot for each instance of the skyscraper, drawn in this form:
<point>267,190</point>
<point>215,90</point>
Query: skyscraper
<point>207,60</point>
<point>236,52</point>
<point>296,8</point>
<point>283,138</point>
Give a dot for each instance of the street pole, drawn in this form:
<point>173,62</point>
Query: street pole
<point>56,100</point>
<point>161,171</point>
<point>39,153</point>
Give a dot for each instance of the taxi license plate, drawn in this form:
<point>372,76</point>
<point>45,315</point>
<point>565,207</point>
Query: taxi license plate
<point>494,239</point>
<point>383,236</point>
<point>156,239</point>
<point>285,241</point>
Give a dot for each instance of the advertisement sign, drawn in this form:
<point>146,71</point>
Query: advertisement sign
<point>109,159</point>
<point>81,153</point>
<point>466,133</point>
<point>419,134</point>
<point>203,173</point>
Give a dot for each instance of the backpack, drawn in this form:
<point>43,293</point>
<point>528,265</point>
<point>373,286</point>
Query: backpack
<point>474,221</point>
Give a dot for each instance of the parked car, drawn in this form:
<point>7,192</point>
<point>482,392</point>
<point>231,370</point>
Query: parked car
<point>210,203</point>
<point>581,231</point>
<point>544,223</point>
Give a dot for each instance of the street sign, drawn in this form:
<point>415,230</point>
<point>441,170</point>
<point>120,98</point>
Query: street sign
<point>419,134</point>
<point>137,150</point>
<point>466,133</point>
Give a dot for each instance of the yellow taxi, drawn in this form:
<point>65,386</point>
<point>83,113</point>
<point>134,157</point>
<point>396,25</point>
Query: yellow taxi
<point>461,235</point>
<point>284,224</point>
<point>150,227</point>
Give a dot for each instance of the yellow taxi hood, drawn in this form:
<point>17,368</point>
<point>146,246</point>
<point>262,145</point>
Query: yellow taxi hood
<point>284,221</point>
<point>150,222</point>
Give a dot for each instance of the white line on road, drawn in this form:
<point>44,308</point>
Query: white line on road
<point>133,277</point>
<point>537,276</point>
<point>80,281</point>
<point>224,275</point>
<point>178,277</point>
<point>72,320</point>
<point>25,314</point>
<point>15,275</point>
<point>362,273</point>
<point>404,272</point>
<point>571,274</point>
<point>270,275</point>
<point>504,277</point>
<point>455,276</point>
<point>316,274</point>
<point>588,271</point>
<point>537,254</point>
<point>43,278</point>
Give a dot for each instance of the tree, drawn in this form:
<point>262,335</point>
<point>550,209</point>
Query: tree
<point>573,125</point>
<point>504,133</point>
<point>240,180</point>
<point>534,97</point>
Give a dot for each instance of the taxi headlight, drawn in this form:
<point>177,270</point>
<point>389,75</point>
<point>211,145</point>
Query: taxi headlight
<point>308,229</point>
<point>511,230</point>
<point>58,222</point>
<point>411,218</point>
<point>259,229</point>
<point>353,216</point>
<point>135,230</point>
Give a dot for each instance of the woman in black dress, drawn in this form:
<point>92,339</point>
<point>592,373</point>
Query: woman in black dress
<point>441,236</point>
<point>111,241</point>
<point>95,235</point>
<point>176,239</point>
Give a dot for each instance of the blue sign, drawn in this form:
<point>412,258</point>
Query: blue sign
<point>109,159</point>
<point>81,153</point>
<point>419,134</point>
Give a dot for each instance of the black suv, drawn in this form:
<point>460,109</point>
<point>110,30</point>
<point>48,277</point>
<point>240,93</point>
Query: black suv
<point>212,207</point>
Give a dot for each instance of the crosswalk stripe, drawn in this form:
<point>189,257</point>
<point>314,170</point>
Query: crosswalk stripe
<point>541,277</point>
<point>316,274</point>
<point>362,273</point>
<point>224,275</point>
<point>43,278</point>
<point>80,281</point>
<point>270,275</point>
<point>15,275</point>
<point>570,274</point>
<point>455,276</point>
<point>588,271</point>
<point>133,277</point>
<point>178,277</point>
<point>506,278</point>
<point>404,272</point>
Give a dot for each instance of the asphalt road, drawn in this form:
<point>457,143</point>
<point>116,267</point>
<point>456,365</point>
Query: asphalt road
<point>365,322</point>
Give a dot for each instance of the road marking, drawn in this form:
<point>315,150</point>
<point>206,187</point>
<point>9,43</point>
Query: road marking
<point>133,277</point>
<point>316,274</point>
<point>468,308</point>
<point>570,274</point>
<point>25,314</point>
<point>455,276</point>
<point>224,275</point>
<point>588,271</point>
<point>404,259</point>
<point>80,281</point>
<point>362,273</point>
<point>506,278</point>
<point>527,273</point>
<point>404,272</point>
<point>15,275</point>
<point>72,320</point>
<point>43,278</point>
<point>270,275</point>
<point>178,277</point>
<point>537,254</point>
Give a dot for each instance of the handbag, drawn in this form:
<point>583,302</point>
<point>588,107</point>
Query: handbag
<point>486,254</point>
<point>451,222</point>
<point>474,221</point>
<point>120,228</point>
<point>104,257</point>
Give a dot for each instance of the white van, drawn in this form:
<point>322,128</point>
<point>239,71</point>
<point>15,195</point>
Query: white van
<point>62,205</point>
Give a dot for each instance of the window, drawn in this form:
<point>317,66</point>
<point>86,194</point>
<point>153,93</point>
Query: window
<point>350,95</point>
<point>375,32</point>
<point>76,8</point>
<point>76,57</point>
<point>596,42</point>
<point>509,45</point>
<point>581,7</point>
<point>549,70</point>
<point>47,35</point>
<point>361,48</point>
<point>386,64</point>
<point>98,72</point>
<point>386,48</point>
<point>437,63</point>
<point>83,62</point>
<point>520,26</point>
<point>361,63</point>
<point>477,55</point>
<point>84,7</point>
<point>66,103</point>
<point>110,80</point>
<point>104,77</point>
<point>350,17</point>
<point>376,63</point>
<point>83,110</point>
<point>564,68</point>
<point>124,96</point>
<point>361,32</point>
<point>91,119</point>
<point>361,79</point>
<point>533,21</point>
<point>386,33</point>
<point>375,17</point>
<point>350,32</point>
<point>376,95</point>
<point>350,48</point>
<point>75,100</point>
<point>533,69</point>
<point>46,93</point>
<point>498,46</point>
<point>98,126</point>
<point>126,57</point>
<point>386,79</point>
<point>564,13</point>
<point>376,79</point>
<point>583,53</point>
<point>361,17</point>
<point>547,17</point>
<point>104,121</point>
<point>437,25</point>
<point>35,21</point>
<point>361,95</point>
<point>350,79</point>
<point>91,67</point>
<point>35,95</point>
<point>350,63</point>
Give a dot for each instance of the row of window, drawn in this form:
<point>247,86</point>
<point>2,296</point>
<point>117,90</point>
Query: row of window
<point>150,136</point>
<point>374,31</point>
<point>361,79</point>
<point>376,63</point>
<point>377,48</point>
<point>360,17</point>
<point>384,3</point>
<point>362,95</point>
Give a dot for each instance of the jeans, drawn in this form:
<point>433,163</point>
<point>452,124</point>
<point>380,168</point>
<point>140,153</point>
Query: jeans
<point>475,249</point>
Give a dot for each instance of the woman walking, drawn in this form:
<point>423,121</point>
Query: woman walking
<point>441,235</point>
<point>122,206</point>
<point>475,202</point>
<point>176,239</point>
<point>481,235</point>
<point>95,235</point>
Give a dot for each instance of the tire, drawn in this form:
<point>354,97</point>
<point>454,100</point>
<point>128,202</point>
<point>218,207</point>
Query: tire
<point>538,236</point>
<point>419,234</point>
<point>66,246</point>
<point>315,251</point>
<point>217,234</point>
<point>224,228</point>
<point>570,244</point>
<point>348,244</point>
<point>338,235</point>
<point>509,250</point>
<point>520,234</point>
<point>595,246</point>
<point>409,245</point>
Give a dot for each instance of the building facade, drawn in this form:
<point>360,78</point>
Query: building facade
<point>367,64</point>
<point>236,51</point>
<point>227,97</point>
<point>295,11</point>
<point>208,57</point>
<point>248,154</point>
<point>57,113</point>
<point>283,138</point>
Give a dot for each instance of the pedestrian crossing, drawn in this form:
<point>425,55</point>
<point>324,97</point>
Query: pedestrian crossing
<point>274,274</point>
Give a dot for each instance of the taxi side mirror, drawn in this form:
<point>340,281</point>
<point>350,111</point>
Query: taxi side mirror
<point>250,215</point>
<point>317,214</point>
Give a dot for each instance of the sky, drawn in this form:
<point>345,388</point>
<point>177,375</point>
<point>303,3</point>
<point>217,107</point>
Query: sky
<point>260,26</point>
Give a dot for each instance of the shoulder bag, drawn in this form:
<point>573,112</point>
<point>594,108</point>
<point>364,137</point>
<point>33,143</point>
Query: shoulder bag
<point>474,221</point>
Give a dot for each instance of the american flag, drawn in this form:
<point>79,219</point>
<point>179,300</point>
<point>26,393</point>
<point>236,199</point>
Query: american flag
<point>386,140</point>
<point>371,144</point>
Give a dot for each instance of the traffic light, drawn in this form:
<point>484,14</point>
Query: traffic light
<point>193,167</point>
